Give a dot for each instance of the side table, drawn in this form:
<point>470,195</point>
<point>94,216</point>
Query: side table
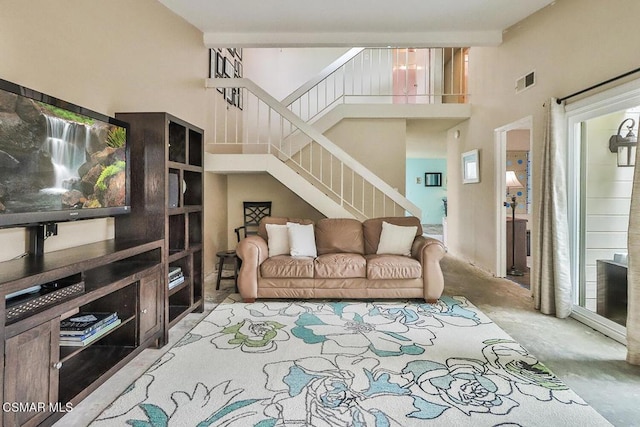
<point>225,257</point>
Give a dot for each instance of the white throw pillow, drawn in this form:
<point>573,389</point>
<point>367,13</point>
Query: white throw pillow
<point>396,239</point>
<point>278,239</point>
<point>302,240</point>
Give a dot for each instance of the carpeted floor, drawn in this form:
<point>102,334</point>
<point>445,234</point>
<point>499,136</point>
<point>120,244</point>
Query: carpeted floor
<point>342,363</point>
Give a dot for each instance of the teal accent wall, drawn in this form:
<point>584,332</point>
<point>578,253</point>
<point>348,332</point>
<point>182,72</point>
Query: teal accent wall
<point>429,199</point>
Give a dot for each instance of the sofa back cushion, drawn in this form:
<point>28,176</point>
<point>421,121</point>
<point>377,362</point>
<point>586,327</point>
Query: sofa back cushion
<point>339,235</point>
<point>372,228</point>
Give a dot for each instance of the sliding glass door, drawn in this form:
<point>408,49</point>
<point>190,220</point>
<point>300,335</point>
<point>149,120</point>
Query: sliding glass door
<point>599,196</point>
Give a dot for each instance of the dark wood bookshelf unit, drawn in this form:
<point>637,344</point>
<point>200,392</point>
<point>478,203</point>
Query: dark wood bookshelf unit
<point>168,154</point>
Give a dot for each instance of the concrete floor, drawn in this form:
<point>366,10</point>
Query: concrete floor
<point>591,364</point>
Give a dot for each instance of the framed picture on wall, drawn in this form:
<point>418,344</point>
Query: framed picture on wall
<point>212,63</point>
<point>238,97</point>
<point>230,95</point>
<point>228,68</point>
<point>470,167</point>
<point>219,65</point>
<point>433,179</point>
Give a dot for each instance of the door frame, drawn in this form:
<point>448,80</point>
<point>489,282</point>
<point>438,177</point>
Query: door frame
<point>500,181</point>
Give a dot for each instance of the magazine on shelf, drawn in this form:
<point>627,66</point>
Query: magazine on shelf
<point>175,282</point>
<point>76,337</point>
<point>174,272</point>
<point>83,323</point>
<point>71,342</point>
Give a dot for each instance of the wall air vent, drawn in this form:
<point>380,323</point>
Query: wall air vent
<point>525,82</point>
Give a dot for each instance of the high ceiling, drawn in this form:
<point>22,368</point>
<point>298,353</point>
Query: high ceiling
<point>282,23</point>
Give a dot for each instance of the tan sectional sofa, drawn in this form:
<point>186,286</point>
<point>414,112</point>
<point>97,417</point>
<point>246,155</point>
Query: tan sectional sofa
<point>347,264</point>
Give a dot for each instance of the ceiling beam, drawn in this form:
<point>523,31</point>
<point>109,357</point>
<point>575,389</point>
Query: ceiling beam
<point>378,39</point>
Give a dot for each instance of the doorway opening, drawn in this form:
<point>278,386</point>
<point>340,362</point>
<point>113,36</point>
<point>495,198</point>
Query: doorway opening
<point>514,220</point>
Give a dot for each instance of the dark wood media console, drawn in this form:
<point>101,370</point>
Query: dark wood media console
<point>116,277</point>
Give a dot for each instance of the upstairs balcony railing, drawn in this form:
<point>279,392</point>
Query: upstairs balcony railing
<point>385,75</point>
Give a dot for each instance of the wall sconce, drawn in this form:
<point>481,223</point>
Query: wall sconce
<point>625,146</point>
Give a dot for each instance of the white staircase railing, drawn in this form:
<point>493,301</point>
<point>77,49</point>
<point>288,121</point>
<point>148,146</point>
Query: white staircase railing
<point>258,123</point>
<point>385,75</point>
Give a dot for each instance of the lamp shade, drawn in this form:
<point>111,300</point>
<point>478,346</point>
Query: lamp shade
<point>512,180</point>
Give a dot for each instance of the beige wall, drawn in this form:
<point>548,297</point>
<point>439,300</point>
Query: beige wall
<point>379,144</point>
<point>424,140</point>
<point>261,187</point>
<point>108,56</point>
<point>571,45</point>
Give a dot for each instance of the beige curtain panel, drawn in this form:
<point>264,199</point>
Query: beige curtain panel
<point>551,284</point>
<point>633,272</point>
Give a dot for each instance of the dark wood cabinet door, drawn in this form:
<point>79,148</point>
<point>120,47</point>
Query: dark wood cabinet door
<point>31,374</point>
<point>150,304</point>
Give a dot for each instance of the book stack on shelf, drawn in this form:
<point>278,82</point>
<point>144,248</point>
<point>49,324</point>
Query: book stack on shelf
<point>84,328</point>
<point>175,277</point>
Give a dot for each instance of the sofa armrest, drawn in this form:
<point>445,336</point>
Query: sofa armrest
<point>253,251</point>
<point>429,252</point>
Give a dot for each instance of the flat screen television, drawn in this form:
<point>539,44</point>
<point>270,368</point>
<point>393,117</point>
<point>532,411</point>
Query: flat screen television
<point>59,161</point>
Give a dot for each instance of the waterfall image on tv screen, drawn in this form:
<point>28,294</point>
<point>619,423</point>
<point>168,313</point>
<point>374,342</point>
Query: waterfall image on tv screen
<point>54,159</point>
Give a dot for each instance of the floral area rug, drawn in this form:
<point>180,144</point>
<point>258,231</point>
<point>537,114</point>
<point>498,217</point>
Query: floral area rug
<point>346,363</point>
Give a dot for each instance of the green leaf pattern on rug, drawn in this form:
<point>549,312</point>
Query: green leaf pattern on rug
<point>529,376</point>
<point>251,336</point>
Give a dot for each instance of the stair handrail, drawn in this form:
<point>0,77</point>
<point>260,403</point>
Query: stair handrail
<point>326,72</point>
<point>318,137</point>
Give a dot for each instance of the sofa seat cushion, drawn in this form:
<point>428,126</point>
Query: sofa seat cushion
<point>344,265</point>
<point>287,266</point>
<point>392,267</point>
